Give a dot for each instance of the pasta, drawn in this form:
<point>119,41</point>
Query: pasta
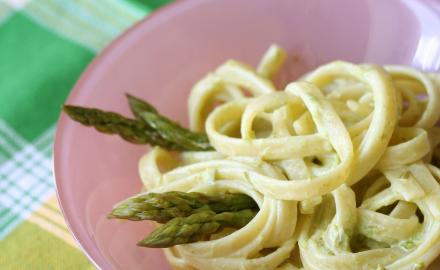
<point>341,164</point>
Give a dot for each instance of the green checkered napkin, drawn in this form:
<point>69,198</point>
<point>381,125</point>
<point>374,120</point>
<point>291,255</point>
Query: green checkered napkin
<point>44,47</point>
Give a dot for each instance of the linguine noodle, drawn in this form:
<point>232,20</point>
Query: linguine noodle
<point>340,164</point>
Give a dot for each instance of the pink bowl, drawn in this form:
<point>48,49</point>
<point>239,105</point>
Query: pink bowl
<point>160,58</point>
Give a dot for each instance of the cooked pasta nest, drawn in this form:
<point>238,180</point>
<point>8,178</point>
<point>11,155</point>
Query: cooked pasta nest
<point>340,163</point>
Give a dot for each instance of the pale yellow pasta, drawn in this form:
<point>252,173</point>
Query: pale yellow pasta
<point>375,138</point>
<point>203,97</point>
<point>341,164</point>
<point>271,62</point>
<point>431,111</point>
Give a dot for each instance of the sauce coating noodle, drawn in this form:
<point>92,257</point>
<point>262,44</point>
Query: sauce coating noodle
<point>340,164</point>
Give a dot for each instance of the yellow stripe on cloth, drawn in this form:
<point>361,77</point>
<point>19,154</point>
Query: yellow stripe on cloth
<point>29,247</point>
<point>49,218</point>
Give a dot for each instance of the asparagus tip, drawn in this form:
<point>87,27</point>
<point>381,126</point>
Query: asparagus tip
<point>146,243</point>
<point>69,109</point>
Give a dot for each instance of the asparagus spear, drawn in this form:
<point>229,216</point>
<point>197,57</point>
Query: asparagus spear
<point>162,207</point>
<point>168,129</point>
<point>113,123</point>
<point>172,131</point>
<point>196,227</point>
<point>139,106</point>
<point>156,130</point>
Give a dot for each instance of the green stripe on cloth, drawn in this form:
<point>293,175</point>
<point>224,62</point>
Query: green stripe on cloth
<point>44,47</point>
<point>38,69</point>
<point>18,251</point>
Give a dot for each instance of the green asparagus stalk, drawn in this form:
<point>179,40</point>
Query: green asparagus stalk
<point>133,131</point>
<point>150,127</point>
<point>162,207</point>
<point>196,227</point>
<point>173,132</point>
<point>139,106</point>
<point>168,129</point>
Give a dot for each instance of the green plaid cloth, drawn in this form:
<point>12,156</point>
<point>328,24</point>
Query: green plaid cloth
<point>44,47</point>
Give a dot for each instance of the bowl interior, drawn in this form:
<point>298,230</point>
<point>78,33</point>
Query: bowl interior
<point>162,57</point>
